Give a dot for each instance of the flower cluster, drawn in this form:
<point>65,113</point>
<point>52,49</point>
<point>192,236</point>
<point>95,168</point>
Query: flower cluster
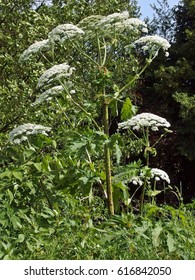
<point>158,174</point>
<point>20,133</point>
<point>54,91</point>
<point>113,18</point>
<point>116,21</point>
<point>63,32</point>
<point>133,24</point>
<point>153,42</point>
<point>145,120</point>
<point>89,25</point>
<point>55,73</point>
<point>121,22</point>
<point>49,94</point>
<point>37,47</point>
<point>58,35</point>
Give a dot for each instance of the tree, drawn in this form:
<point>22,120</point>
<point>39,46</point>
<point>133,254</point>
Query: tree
<point>173,87</point>
<point>15,35</point>
<point>75,10</point>
<point>181,75</point>
<point>163,20</point>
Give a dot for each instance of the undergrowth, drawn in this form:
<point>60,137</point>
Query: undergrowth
<point>83,231</point>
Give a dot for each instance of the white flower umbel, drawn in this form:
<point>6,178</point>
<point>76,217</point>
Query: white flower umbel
<point>35,48</point>
<point>152,43</point>
<point>111,23</point>
<point>55,73</point>
<point>107,25</point>
<point>20,133</point>
<point>112,18</point>
<point>158,174</point>
<point>49,94</point>
<point>133,24</point>
<point>63,32</point>
<point>143,120</point>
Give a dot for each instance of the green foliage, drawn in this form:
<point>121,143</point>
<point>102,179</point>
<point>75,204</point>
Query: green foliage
<point>187,104</point>
<point>76,10</point>
<point>164,233</point>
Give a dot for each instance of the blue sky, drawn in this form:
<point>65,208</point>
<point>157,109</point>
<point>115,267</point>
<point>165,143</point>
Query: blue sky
<point>146,10</point>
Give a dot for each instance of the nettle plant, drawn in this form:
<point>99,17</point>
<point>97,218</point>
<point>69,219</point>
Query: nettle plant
<point>93,70</point>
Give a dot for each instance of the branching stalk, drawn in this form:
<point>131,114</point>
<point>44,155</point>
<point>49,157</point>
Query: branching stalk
<point>80,107</point>
<point>85,54</point>
<point>136,76</point>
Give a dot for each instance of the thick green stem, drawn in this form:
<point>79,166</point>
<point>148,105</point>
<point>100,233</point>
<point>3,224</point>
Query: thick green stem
<point>108,160</point>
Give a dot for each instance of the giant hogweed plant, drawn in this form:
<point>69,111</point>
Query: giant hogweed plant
<point>104,58</point>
